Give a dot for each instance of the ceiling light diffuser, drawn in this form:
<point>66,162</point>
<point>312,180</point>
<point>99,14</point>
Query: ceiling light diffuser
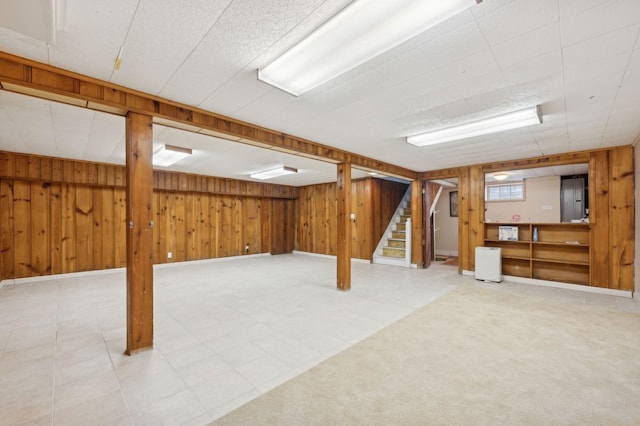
<point>500,175</point>
<point>361,31</point>
<point>512,120</point>
<point>268,174</point>
<point>169,154</point>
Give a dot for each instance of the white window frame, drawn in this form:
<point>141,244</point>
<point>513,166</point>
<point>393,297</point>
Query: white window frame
<point>508,198</point>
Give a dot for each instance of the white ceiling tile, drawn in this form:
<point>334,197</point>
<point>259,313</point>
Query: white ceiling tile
<point>529,45</point>
<point>602,19</point>
<point>175,29</point>
<point>573,7</point>
<point>92,37</point>
<point>604,47</point>
<point>106,133</point>
<point>517,17</point>
<point>18,44</point>
<point>547,66</point>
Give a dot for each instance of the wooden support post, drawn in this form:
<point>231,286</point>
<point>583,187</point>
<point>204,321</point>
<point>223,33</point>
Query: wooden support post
<point>417,224</point>
<point>139,171</point>
<point>343,195</point>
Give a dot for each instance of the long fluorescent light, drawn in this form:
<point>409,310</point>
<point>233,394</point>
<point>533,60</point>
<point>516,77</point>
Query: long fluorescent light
<point>169,154</point>
<point>499,123</point>
<point>268,174</point>
<point>361,31</point>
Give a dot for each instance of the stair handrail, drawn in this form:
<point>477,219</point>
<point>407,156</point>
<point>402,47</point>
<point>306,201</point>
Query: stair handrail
<point>407,243</point>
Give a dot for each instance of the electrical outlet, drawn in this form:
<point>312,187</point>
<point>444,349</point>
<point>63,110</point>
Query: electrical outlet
<point>169,255</point>
<point>246,249</point>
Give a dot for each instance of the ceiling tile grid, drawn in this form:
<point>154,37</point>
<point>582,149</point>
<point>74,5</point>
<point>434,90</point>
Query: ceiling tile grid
<point>578,59</point>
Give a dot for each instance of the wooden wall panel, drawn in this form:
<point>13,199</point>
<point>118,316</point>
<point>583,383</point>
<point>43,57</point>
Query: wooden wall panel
<point>22,228</point>
<point>68,243</point>
<point>107,225</point>
<point>599,219</point>
<point>39,221</point>
<point>418,228</point>
<point>622,215</point>
<point>55,230</point>
<point>316,217</point>
<point>84,228</point>
<point>96,231</point>
<point>214,230</point>
<point>56,170</point>
<point>476,212</point>
<point>251,225</point>
<point>192,242</point>
<point>611,210</point>
<point>7,246</point>
<point>78,221</point>
<point>203,220</point>
<point>120,227</point>
<point>266,232</point>
<point>361,227</point>
<point>226,237</point>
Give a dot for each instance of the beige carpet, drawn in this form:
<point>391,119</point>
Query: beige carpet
<point>476,356</point>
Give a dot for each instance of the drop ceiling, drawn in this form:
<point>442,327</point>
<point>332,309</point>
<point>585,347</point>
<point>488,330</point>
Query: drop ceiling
<point>578,59</point>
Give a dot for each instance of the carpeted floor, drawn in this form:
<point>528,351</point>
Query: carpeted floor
<point>476,356</point>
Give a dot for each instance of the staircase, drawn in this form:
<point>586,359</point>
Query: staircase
<point>393,248</point>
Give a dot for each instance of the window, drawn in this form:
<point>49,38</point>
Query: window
<point>505,192</point>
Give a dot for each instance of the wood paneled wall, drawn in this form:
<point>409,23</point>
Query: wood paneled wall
<point>611,209</point>
<point>372,200</point>
<point>59,216</point>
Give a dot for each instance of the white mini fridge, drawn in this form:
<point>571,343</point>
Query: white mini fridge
<point>489,264</point>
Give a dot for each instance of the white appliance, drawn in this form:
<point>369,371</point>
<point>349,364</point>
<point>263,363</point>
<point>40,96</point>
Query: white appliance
<point>489,264</point>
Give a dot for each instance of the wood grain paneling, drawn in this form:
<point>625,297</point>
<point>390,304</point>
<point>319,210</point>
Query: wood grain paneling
<point>343,238</point>
<point>599,218</point>
<point>374,202</point>
<point>56,170</point>
<point>417,225</point>
<point>139,153</point>
<point>622,214</point>
<point>22,228</point>
<point>80,226</point>
<point>611,211</point>
<point>7,246</point>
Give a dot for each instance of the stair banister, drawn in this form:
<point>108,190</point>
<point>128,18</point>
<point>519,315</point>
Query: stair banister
<point>407,244</point>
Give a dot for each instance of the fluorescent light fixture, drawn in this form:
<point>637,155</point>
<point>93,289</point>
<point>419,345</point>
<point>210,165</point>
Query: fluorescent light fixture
<point>268,174</point>
<point>512,120</point>
<point>359,32</point>
<point>169,154</point>
<point>500,175</point>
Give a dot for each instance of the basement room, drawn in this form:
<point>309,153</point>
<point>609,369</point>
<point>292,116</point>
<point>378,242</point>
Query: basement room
<point>345,212</point>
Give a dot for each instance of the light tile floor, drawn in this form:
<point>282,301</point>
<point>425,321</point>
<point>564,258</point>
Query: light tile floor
<point>225,332</point>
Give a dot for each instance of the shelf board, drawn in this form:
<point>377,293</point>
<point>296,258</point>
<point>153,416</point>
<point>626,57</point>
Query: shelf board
<point>507,241</point>
<point>565,262</point>
<point>557,243</point>
<point>527,258</point>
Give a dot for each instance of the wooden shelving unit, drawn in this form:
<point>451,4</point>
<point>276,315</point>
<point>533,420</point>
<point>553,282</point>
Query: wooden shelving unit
<point>561,252</point>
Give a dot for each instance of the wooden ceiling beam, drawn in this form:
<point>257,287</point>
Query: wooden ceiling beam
<point>21,75</point>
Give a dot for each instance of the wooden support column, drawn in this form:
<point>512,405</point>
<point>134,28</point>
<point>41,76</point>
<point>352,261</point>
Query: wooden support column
<point>139,171</point>
<point>343,195</point>
<point>417,224</point>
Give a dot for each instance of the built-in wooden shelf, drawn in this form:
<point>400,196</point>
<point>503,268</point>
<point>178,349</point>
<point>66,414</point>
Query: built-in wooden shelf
<point>561,252</point>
